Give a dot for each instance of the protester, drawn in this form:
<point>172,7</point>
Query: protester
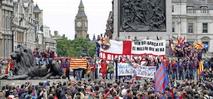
<point>104,69</point>
<point>110,70</point>
<point>68,73</point>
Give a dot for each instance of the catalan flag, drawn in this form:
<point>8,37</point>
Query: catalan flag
<point>200,68</point>
<point>78,63</point>
<point>161,79</point>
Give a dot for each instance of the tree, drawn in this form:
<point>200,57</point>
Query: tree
<point>75,48</point>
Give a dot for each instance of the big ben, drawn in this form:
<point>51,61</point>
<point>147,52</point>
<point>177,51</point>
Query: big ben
<point>81,23</point>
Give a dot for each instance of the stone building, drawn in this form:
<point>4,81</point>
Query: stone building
<point>81,23</point>
<point>20,23</point>
<point>48,41</point>
<point>6,16</point>
<point>56,36</point>
<point>193,19</point>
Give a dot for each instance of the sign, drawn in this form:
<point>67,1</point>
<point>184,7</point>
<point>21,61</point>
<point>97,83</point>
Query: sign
<point>155,47</point>
<point>146,71</point>
<point>124,69</point>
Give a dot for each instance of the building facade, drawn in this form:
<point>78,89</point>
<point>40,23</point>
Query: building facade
<point>193,19</point>
<point>28,22</point>
<point>81,23</point>
<point>6,16</point>
<point>48,40</point>
<point>20,23</point>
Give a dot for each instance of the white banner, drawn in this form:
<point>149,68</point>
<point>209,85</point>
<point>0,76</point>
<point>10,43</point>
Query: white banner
<point>124,69</point>
<point>146,71</point>
<point>154,47</point>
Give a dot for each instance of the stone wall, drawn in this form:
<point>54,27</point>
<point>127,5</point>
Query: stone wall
<point>142,26</point>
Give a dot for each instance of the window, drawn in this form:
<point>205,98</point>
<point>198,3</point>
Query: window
<point>135,38</point>
<point>190,27</point>
<point>173,8</point>
<point>173,26</point>
<point>204,9</point>
<point>206,45</point>
<point>190,9</point>
<point>205,27</point>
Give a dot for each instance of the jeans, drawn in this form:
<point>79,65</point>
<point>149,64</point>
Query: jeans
<point>37,60</point>
<point>79,74</point>
<point>49,60</point>
<point>43,61</point>
<point>181,77</point>
<point>92,74</point>
<point>187,73</point>
<point>177,73</point>
<point>195,74</point>
<point>109,75</point>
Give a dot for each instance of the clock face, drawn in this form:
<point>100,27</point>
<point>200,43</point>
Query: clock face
<point>79,24</point>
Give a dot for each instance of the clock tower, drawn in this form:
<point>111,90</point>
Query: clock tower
<point>81,23</point>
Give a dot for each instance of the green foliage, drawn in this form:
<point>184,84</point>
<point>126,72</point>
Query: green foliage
<point>75,48</point>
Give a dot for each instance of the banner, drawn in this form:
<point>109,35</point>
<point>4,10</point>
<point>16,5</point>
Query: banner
<point>128,48</point>
<point>124,69</point>
<point>154,47</point>
<point>146,71</point>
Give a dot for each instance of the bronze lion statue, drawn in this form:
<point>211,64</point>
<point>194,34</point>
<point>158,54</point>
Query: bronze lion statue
<point>25,67</point>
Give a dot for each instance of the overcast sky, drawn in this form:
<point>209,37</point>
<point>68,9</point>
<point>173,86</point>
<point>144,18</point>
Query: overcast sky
<point>60,15</point>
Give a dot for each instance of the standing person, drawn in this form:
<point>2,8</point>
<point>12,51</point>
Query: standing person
<point>1,65</point>
<point>68,72</point>
<point>43,58</point>
<point>103,68</point>
<point>48,51</point>
<point>37,56</point>
<point>51,56</point>
<point>110,70</point>
<point>93,68</point>
<point>174,70</point>
<point>181,69</point>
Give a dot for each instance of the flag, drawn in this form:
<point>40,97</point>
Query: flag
<point>198,45</point>
<point>200,68</point>
<point>78,63</point>
<point>128,48</point>
<point>161,79</point>
<point>127,45</point>
<point>181,40</point>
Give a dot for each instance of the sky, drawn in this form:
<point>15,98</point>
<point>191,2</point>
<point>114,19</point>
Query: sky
<point>60,15</point>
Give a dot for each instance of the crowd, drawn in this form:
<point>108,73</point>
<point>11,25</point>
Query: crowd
<point>6,66</point>
<point>110,89</point>
<point>190,77</point>
<point>43,57</point>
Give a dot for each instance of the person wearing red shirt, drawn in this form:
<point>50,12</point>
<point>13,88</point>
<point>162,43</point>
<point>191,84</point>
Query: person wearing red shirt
<point>103,68</point>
